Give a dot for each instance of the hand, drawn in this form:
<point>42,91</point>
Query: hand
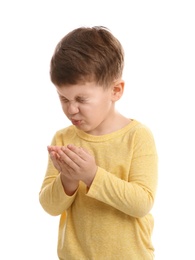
<point>80,163</point>
<point>69,185</point>
<point>74,163</point>
<point>55,156</point>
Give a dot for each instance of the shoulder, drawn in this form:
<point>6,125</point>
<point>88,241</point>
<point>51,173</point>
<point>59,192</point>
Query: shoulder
<point>143,138</point>
<point>139,129</point>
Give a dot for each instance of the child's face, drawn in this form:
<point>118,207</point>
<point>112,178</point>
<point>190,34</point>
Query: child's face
<point>88,106</point>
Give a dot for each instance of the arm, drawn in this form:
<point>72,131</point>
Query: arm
<point>69,184</point>
<point>134,196</point>
<point>53,196</point>
<point>67,166</point>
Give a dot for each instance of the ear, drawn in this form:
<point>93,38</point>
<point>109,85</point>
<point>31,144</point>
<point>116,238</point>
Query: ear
<point>117,90</point>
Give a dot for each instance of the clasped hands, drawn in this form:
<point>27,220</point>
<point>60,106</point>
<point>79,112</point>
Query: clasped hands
<point>74,164</point>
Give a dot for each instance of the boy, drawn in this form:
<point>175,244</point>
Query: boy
<point>102,170</point>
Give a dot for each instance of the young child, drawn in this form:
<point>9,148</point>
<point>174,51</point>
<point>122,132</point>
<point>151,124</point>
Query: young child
<point>102,169</point>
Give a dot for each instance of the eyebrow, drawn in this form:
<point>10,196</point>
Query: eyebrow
<point>81,97</point>
<point>77,97</point>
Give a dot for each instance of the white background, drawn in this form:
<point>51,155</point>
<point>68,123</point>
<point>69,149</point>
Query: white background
<point>159,42</point>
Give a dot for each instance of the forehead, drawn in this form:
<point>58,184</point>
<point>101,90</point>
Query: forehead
<point>83,89</point>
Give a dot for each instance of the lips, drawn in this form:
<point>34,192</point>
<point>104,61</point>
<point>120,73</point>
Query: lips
<point>76,122</point>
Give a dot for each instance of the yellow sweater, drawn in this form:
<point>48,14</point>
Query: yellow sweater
<point>111,220</point>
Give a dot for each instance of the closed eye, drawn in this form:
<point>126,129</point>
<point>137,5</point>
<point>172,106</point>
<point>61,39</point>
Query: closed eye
<point>63,99</point>
<point>81,100</point>
<point>77,99</point>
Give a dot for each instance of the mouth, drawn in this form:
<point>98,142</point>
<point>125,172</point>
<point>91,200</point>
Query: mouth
<point>76,122</point>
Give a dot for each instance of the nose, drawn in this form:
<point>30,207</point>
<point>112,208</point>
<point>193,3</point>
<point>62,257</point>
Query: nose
<point>73,108</point>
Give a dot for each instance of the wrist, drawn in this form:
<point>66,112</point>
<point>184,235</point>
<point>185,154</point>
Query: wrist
<point>89,181</point>
<point>70,186</point>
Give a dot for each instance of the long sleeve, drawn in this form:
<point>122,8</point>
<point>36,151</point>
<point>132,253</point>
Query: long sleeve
<point>134,196</point>
<point>52,196</point>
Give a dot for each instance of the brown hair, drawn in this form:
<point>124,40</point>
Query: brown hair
<point>87,54</point>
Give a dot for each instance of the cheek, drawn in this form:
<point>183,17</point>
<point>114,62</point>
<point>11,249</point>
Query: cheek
<point>89,112</point>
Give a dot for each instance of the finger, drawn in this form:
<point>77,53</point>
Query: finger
<point>81,152</point>
<point>54,155</point>
<point>75,154</point>
<point>49,149</point>
<point>53,148</point>
<point>70,157</point>
<point>55,161</point>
